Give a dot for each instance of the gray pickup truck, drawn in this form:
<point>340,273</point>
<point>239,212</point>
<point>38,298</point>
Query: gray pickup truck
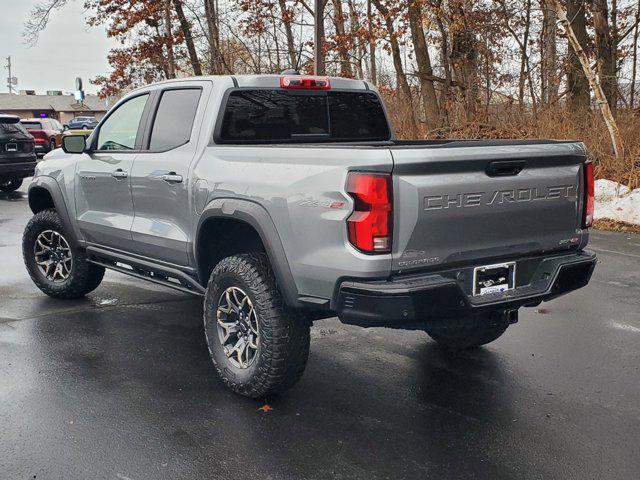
<point>284,199</point>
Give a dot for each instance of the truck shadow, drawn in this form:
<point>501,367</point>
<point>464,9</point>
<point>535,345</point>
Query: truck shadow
<point>473,383</point>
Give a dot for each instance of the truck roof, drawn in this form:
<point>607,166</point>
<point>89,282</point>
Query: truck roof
<point>269,81</point>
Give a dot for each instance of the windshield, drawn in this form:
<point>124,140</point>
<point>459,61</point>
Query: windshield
<point>281,116</point>
<point>32,125</point>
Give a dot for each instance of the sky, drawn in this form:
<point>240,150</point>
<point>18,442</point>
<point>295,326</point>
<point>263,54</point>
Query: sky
<point>67,49</point>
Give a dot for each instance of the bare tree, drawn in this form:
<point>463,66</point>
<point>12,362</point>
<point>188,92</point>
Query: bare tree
<point>38,19</point>
<point>605,51</point>
<point>397,63</point>
<point>372,45</point>
<point>216,60</point>
<point>464,53</point>
<point>578,85</point>
<point>287,20</point>
<point>594,80</point>
<point>342,41</point>
<point>549,53</point>
<point>319,38</point>
<point>188,37</point>
<point>634,57</point>
<point>425,70</point>
<point>171,62</point>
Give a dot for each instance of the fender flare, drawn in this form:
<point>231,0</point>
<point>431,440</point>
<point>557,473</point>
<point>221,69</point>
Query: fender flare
<point>51,185</point>
<point>257,216</point>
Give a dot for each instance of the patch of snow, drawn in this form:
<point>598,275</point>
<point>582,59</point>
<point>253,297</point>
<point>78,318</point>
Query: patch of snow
<point>617,202</point>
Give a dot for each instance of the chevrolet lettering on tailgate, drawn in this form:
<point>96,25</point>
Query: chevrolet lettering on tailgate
<point>497,197</point>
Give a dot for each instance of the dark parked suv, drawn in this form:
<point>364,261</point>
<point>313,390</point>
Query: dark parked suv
<point>17,155</point>
<point>47,133</point>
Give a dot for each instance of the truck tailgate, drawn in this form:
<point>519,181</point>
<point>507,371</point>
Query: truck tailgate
<point>467,202</point>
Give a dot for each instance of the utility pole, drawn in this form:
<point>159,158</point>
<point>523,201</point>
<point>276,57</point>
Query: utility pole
<point>9,78</point>
<point>318,57</point>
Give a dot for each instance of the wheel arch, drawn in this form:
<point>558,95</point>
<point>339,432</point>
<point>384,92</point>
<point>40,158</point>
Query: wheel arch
<point>44,193</point>
<point>252,217</point>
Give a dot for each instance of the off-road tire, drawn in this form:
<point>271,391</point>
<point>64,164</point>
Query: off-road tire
<point>84,277</point>
<point>468,332</point>
<point>283,347</point>
<point>11,185</point>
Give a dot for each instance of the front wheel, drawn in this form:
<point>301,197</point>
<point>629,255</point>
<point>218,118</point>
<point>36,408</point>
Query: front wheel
<point>10,185</point>
<point>470,332</point>
<point>57,267</point>
<point>258,346</point>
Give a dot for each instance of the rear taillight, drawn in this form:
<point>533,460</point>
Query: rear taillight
<point>38,134</point>
<point>370,225</point>
<point>589,203</point>
<point>307,83</point>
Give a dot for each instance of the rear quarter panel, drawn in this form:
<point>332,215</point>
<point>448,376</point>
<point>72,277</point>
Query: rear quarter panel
<point>302,189</point>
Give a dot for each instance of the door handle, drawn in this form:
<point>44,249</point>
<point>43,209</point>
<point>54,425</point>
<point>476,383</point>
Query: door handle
<point>172,177</point>
<point>505,169</point>
<point>119,174</point>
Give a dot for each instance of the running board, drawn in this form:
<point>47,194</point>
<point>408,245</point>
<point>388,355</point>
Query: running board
<point>145,270</point>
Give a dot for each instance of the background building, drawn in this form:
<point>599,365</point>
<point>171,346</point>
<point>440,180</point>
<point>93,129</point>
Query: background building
<point>53,105</point>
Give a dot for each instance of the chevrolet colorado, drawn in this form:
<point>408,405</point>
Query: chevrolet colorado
<point>283,199</point>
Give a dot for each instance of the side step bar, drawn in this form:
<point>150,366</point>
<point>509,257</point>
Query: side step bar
<point>146,270</point>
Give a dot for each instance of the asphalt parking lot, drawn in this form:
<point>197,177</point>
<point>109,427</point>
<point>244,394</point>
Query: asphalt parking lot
<point>119,386</point>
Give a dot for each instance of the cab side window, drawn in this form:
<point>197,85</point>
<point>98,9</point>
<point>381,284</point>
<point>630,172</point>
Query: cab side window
<point>174,119</point>
<point>120,130</point>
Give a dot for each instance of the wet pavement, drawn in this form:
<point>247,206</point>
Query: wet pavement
<point>119,386</point>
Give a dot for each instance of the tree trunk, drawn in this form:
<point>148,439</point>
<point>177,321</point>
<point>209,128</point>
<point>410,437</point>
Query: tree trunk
<point>397,63</point>
<point>188,37</point>
<point>634,68</point>
<point>287,19</point>
<point>524,60</point>
<point>446,65</point>
<point>216,61</point>
<point>341,39</point>
<point>171,63</point>
<point>464,54</point>
<point>372,46</point>
<point>425,70</point>
<point>605,55</point>
<point>577,83</point>
<point>319,61</point>
<point>594,81</point>
<point>549,75</point>
<point>353,33</point>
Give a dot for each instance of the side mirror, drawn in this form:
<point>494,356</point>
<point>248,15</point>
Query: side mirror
<point>74,143</point>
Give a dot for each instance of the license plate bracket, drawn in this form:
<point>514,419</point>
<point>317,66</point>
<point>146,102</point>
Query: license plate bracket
<point>498,277</point>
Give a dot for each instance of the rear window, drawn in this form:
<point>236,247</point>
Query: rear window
<point>174,119</point>
<point>12,129</point>
<point>32,125</point>
<point>279,116</point>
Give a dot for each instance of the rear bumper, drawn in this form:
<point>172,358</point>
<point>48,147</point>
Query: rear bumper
<point>17,170</point>
<point>435,295</point>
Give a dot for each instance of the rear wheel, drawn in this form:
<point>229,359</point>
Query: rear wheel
<point>257,345</point>
<point>10,185</point>
<point>470,332</point>
<point>57,267</point>
<point>52,144</point>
